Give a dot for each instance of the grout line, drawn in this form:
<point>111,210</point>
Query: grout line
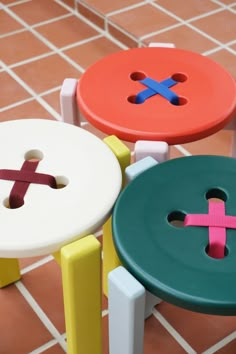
<point>98,233</point>
<point>183,150</point>
<point>84,41</point>
<point>16,104</point>
<point>51,20</point>
<point>31,92</point>
<point>105,33</point>
<point>31,60</point>
<point>163,30</point>
<point>44,347</point>
<point>127,8</point>
<point>18,3</point>
<point>173,332</point>
<point>188,24</point>
<point>220,344</point>
<point>104,312</point>
<point>36,264</point>
<point>40,313</point>
<point>54,89</point>
<point>44,40</point>
<point>8,34</point>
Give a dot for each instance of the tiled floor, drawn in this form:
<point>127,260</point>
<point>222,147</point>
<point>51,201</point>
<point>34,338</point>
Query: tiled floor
<point>41,43</point>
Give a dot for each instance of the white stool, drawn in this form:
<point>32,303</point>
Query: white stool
<point>88,180</point>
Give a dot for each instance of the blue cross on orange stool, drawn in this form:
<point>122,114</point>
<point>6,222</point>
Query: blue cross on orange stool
<point>155,87</point>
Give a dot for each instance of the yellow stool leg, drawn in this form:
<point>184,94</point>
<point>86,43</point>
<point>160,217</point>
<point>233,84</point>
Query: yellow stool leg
<point>110,258</point>
<point>81,277</point>
<point>9,271</point>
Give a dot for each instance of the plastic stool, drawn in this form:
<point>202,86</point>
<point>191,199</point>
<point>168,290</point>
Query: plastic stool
<point>176,242</point>
<point>58,185</point>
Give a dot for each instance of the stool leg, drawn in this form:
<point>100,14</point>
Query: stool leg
<point>151,301</point>
<point>9,271</point>
<point>81,277</point>
<point>126,305</point>
<point>110,258</point>
<point>69,109</point>
<point>158,150</point>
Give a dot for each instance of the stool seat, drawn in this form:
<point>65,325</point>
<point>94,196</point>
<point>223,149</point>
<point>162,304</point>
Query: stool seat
<point>170,260</point>
<point>88,178</point>
<point>107,95</point>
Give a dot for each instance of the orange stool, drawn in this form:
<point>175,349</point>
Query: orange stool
<point>113,95</point>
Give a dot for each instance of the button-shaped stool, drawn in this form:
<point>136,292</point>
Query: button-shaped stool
<point>174,229</point>
<point>58,184</point>
<point>153,97</point>
<point>158,94</point>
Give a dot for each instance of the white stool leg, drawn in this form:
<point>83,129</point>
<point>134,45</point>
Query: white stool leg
<point>126,304</point>
<point>69,109</point>
<point>161,45</point>
<point>151,301</point>
<point>158,150</point>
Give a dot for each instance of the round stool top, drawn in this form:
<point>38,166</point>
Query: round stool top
<point>132,94</point>
<point>172,261</point>
<point>52,217</point>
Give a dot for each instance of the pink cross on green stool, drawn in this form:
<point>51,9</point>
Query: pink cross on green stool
<point>173,261</point>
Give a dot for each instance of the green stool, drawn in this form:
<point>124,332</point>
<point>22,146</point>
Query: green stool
<point>174,229</point>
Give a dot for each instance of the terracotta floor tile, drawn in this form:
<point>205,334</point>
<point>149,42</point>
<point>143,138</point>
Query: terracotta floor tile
<point>70,3</point>
<point>199,330</point>
<point>21,46</point>
<point>217,144</point>
<point>142,20</point>
<point>17,321</point>
<point>174,153</point>
<point>36,11</point>
<point>44,283</point>
<point>226,59</point>
<point>105,337</point>
<point>56,349</point>
<point>25,262</point>
<point>228,349</point>
<point>7,2</point>
<point>227,2</point>
<point>74,30</point>
<point>158,340</point>
<point>213,25</point>
<point>7,23</point>
<point>91,15</point>
<point>185,38</point>
<point>26,110</point>
<point>104,6</point>
<point>233,46</point>
<point>44,74</point>
<point>194,7</point>
<point>88,53</point>
<point>121,36</point>
<point>54,100</point>
<point>12,91</point>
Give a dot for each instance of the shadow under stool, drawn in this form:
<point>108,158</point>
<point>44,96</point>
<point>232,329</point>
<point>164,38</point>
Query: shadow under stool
<point>153,97</point>
<point>58,185</point>
<point>174,229</point>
